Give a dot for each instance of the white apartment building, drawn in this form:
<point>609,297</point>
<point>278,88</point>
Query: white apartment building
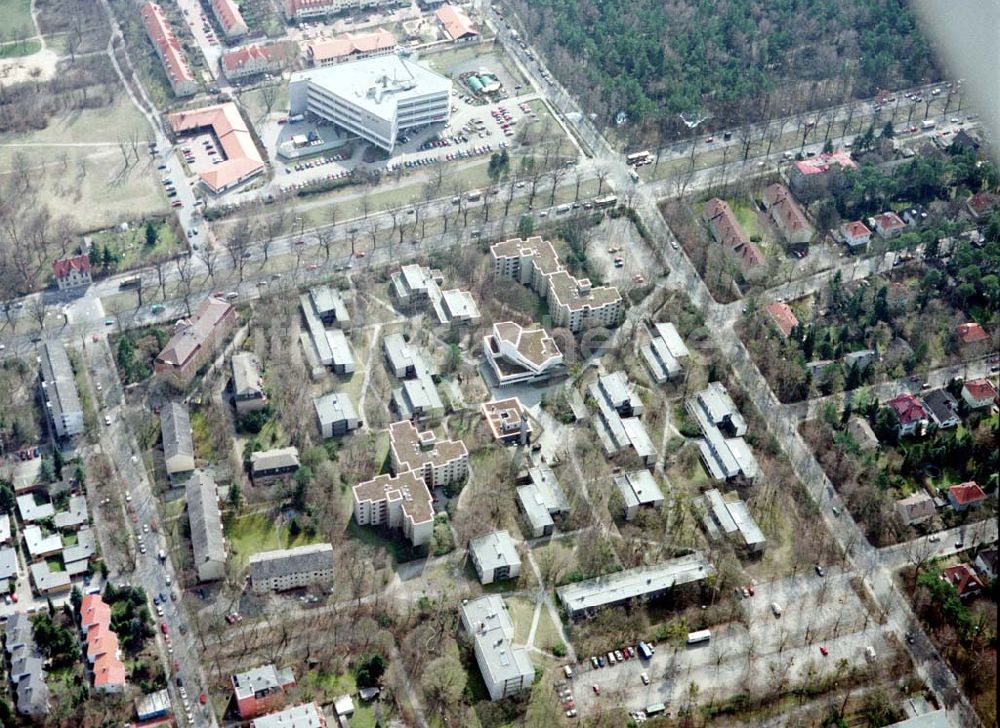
<point>374,98</point>
<point>285,569</point>
<point>573,302</point>
<point>308,9</point>
<point>506,669</point>
<point>62,401</point>
<point>438,462</point>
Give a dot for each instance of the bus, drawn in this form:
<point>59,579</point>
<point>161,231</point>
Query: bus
<point>132,282</point>
<point>606,201</point>
<point>644,651</point>
<point>637,157</point>
<point>696,638</point>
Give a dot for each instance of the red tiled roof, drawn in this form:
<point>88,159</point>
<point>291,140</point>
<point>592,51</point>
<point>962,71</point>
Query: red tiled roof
<point>108,671</point>
<point>967,493</point>
<point>963,578</point>
<point>94,611</point>
<point>971,333</point>
<point>981,389</point>
<point>455,21</point>
<point>981,202</point>
<point>348,44</point>
<point>857,229</point>
<point>191,333</point>
<point>242,156</point>
<point>728,231</point>
<point>235,59</point>
<point>63,266</point>
<point>229,15</point>
<point>293,6</point>
<point>792,217</point>
<point>162,35</point>
<point>823,162</point>
<point>907,408</point>
<point>783,317</point>
<point>889,221</point>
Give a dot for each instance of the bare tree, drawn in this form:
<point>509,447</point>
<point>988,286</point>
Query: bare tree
<point>602,175</point>
<point>186,277</point>
<point>238,245</point>
<point>210,257</point>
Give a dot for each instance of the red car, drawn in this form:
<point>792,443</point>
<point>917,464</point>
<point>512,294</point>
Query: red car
<point>163,627</point>
<point>750,589</point>
<point>14,597</point>
<point>175,203</point>
<point>597,689</point>
<point>203,698</point>
<point>823,651</point>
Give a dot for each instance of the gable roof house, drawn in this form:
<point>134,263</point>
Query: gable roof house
<point>971,333</point>
<point>814,177</point>
<point>178,441</point>
<point>726,230</point>
<point>241,160</point>
<point>979,393</point>
<point>194,341</point>
<point>227,12</point>
<point>964,496</point>
<point>71,272</point>
<point>783,317</point>
<point>856,234</point>
<point>787,215</point>
<point>268,464</point>
<point>911,414</point>
<point>248,384</point>
<point>980,205</point>
<point>456,23</point>
<point>252,60</point>
<point>986,563</point>
<point>943,408</point>
<point>888,224</point>
<point>350,47</point>
<point>965,580</point>
<point>169,50</point>
<point>207,539</point>
<point>916,508</point>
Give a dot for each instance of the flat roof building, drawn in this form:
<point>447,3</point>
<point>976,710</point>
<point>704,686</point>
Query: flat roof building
<point>415,285</point>
<point>403,358</point>
<point>724,457</point>
<point>307,715</point>
<point>495,557</point>
<point>506,669</point>
<point>375,98</point>
<point>518,355</point>
<point>285,569</point>
<point>178,441</point>
<point>207,539</point>
<point>638,489</point>
<point>573,303</point>
<point>641,584</point>
<point>730,518</point>
<point>618,424</point>
<point>261,690</point>
<point>664,353</point>
<point>541,500</point>
<point>330,346</point>
<point>328,306</point>
<point>418,399</point>
<point>335,414</point>
<point>508,421</point>
<point>62,400</point>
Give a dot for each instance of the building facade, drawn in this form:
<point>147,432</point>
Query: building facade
<point>291,568</point>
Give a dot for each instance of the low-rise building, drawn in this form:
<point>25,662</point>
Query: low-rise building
<point>783,317</point>
<point>638,585</point>
<point>72,272</point>
<point>517,355</point>
<point>416,286</point>
<point>328,306</point>
<point>41,545</point>
<point>814,177</point>
<point>101,645</point>
<point>207,539</point>
<point>861,359</point>
<point>261,690</point>
<point>178,441</point>
<point>46,581</point>
<point>417,399</point>
<point>971,333</point>
<point>241,160</point>
<point>541,500</point>
<point>664,353</point>
<point>350,47</point>
<point>59,394</point>
<point>508,421</point>
<point>573,303</point>
<point>402,359</point>
<point>506,669</point>
<point>169,50</point>
<point>910,413</point>
<point>227,12</point>
<point>856,234</point>
<point>153,705</point>
<point>787,215</point>
<point>267,465</point>
<point>888,224</point>
<point>979,393</point>
<point>723,450</point>
<point>727,231</point>
<point>327,346</point>
<point>638,489</point>
<point>253,60</point>
<point>618,424</point>
<point>248,384</point>
<point>291,568</point>
<point>336,414</point>
<point>965,496</point>
<point>33,510</point>
<point>986,563</point>
<point>456,23</point>
<point>194,340</point>
<point>75,515</point>
<point>495,557</point>
<point>729,517</point>
<point>915,509</point>
<point>307,715</point>
<point>27,667</point>
<point>942,407</point>
<point>981,204</point>
<point>5,529</point>
<point>8,569</point>
<point>965,580</point>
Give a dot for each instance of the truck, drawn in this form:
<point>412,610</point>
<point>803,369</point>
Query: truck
<point>696,638</point>
<point>928,123</point>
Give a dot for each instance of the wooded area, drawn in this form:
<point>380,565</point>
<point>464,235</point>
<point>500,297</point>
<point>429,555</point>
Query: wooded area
<point>738,60</point>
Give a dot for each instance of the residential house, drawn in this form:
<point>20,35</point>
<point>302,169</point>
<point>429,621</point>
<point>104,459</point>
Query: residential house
<point>403,360</point>
<point>541,500</point>
<point>965,580</point>
<point>194,340</point>
<point>856,234</point>
<point>787,215</point>
<point>242,161</point>
<point>573,302</point>
<point>58,385</point>
<point>350,47</point>
<point>227,12</point>
<point>726,229</point>
<point>942,407</point>
<point>638,489</point>
<point>724,452</point>
<point>861,359</point>
<point>268,465</point>
<point>248,384</point>
<point>915,509</point>
<point>495,557</point>
<point>862,433</point>
<point>39,545</point>
<point>27,668</point>
<point>5,537</point>
<point>518,355</point>
<point>207,539</point>
<point>74,516</point>
<point>964,496</point>
<point>169,50</point>
<point>456,23</point>
<point>506,669</point>
<point>981,205</point>
<point>971,333</point>
<point>888,224</point>
<point>664,353</point>
<point>261,690</point>
<point>979,393</point>
<point>986,563</point>
<point>912,416</point>
<point>32,510</point>
<point>291,568</point>
<point>335,414</point>
<point>72,272</point>
<point>101,645</point>
<point>306,715</point>
<point>783,317</point>
<point>8,569</point>
<point>965,142</point>
<point>508,421</point>
<point>298,10</point>
<point>47,581</point>
<point>814,177</point>
<point>915,216</point>
<point>253,60</point>
<point>178,441</point>
<point>729,517</point>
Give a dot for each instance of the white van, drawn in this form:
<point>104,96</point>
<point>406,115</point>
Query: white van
<point>568,672</point>
<point>561,209</point>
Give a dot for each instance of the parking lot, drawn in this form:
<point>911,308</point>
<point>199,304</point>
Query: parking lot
<point>817,613</point>
<point>201,152</point>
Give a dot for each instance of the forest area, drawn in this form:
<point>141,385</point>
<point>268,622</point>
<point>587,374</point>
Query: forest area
<point>737,61</point>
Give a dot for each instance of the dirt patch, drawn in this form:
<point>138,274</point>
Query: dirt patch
<point>39,66</point>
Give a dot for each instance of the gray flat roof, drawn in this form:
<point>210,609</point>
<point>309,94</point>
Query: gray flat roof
<point>542,497</point>
<point>57,374</point>
<point>718,405</point>
<point>494,550</point>
<point>638,437</point>
<point>421,393</point>
<point>638,488</point>
<point>667,332</point>
<point>634,583</point>
<point>400,354</point>
<point>335,407</point>
<point>935,719</point>
<point>377,85</point>
<point>306,715</point>
<point>746,523</point>
<point>487,621</point>
<point>720,511</point>
<point>326,300</point>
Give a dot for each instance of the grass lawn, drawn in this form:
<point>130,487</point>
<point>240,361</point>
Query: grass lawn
<point>327,687</point>
<point>55,564</point>
<point>258,532</point>
<point>254,106</point>
<point>546,635</point>
<point>17,14</point>
<point>747,217</point>
<point>521,610</point>
<point>21,49</point>
<point>131,245</point>
<point>202,439</point>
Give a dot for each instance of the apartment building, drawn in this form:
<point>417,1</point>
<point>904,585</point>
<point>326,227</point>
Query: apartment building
<point>495,557</point>
<point>58,386</point>
<point>506,669</point>
<point>285,569</point>
<point>178,441</point>
<point>194,341</point>
<point>169,50</point>
<point>248,383</point>
<point>207,540</point>
<point>72,272</point>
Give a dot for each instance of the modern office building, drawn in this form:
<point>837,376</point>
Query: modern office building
<point>374,98</point>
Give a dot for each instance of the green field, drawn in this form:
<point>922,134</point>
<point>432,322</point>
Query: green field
<point>16,14</point>
<point>253,533</point>
<point>20,49</point>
